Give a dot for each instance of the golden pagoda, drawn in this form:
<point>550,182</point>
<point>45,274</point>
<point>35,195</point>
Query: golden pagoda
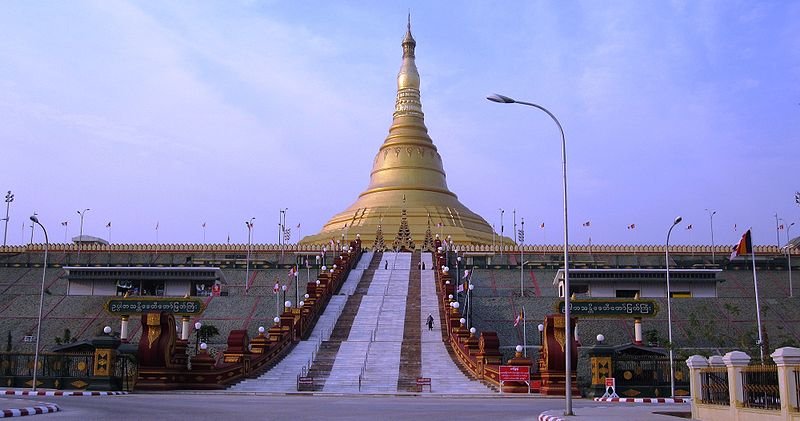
<point>407,193</point>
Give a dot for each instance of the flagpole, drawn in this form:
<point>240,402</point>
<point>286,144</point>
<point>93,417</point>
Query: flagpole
<point>524,333</point>
<point>758,306</point>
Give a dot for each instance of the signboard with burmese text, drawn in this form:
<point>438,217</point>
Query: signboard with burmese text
<point>610,308</point>
<point>177,306</point>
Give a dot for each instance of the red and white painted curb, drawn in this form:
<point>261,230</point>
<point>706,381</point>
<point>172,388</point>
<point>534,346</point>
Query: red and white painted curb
<point>544,417</point>
<point>57,393</point>
<point>643,400</point>
<point>40,408</point>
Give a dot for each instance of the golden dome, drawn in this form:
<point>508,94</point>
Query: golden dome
<point>407,174</point>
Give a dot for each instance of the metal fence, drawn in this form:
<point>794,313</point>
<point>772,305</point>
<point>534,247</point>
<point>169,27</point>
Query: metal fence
<point>760,387</point>
<point>714,386</point>
<point>62,371</point>
<point>649,370</point>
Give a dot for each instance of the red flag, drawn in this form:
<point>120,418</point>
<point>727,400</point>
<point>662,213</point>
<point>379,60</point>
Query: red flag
<point>518,319</point>
<point>745,246</point>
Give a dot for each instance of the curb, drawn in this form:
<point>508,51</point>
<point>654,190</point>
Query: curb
<point>57,393</point>
<point>41,408</point>
<point>643,400</point>
<point>544,417</point>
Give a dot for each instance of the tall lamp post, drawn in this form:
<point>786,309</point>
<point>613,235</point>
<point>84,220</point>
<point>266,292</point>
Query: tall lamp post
<point>789,257</point>
<point>249,225</point>
<point>197,326</point>
<point>501,230</point>
<point>568,349</point>
<point>9,199</point>
<point>711,214</point>
<point>669,314</point>
<point>41,300</point>
<point>80,236</point>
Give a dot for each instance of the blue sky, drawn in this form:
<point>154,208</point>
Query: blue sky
<point>182,113</point>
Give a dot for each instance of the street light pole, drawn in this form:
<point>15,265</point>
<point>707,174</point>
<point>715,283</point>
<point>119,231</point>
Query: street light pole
<point>521,239</point>
<point>80,236</point>
<point>41,300</point>
<point>9,199</point>
<point>777,231</point>
<point>197,326</point>
<point>249,225</point>
<point>789,257</point>
<point>669,314</point>
<point>568,348</point>
<point>711,214</point>
<point>501,231</point>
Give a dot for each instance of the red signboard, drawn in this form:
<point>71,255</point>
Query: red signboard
<point>610,382</point>
<point>515,373</point>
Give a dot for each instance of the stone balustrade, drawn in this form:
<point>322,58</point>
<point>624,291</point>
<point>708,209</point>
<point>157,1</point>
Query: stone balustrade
<point>757,392</point>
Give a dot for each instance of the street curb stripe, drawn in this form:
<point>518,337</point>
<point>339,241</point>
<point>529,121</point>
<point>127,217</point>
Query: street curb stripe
<point>544,417</point>
<point>57,393</point>
<point>42,408</point>
<point>643,400</point>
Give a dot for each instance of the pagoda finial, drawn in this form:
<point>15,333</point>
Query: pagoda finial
<point>408,40</point>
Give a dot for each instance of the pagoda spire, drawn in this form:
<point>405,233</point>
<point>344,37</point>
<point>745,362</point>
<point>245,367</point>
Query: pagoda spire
<point>408,183</point>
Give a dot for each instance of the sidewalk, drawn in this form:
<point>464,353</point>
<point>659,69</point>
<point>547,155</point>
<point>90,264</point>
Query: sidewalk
<point>615,412</point>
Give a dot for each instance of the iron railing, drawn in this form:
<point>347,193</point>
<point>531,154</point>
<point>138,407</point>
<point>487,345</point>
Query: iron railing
<point>714,386</point>
<point>62,371</point>
<point>796,372</point>
<point>760,387</point>
<point>648,370</point>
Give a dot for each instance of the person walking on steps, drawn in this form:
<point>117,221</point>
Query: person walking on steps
<point>430,321</point>
<point>386,265</point>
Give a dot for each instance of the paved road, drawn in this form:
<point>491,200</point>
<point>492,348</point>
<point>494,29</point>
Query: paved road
<point>185,406</point>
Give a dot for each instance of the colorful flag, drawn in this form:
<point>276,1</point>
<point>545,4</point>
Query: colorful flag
<point>688,227</point>
<point>632,226</point>
<point>156,225</point>
<point>734,227</point>
<point>64,224</point>
<point>276,288</point>
<point>745,246</point>
<point>587,224</point>
<point>542,226</point>
<point>298,226</point>
<point>293,271</point>
<point>204,224</point>
<point>460,288</point>
<point>780,227</point>
<point>108,225</point>
<point>519,318</point>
